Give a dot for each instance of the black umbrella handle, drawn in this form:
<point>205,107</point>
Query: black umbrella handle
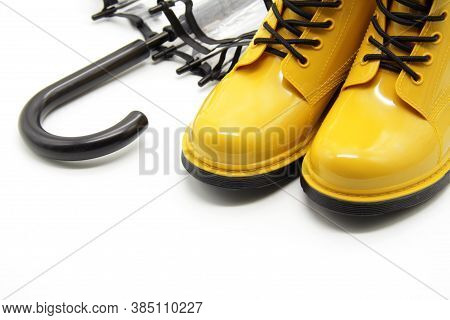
<point>75,85</point>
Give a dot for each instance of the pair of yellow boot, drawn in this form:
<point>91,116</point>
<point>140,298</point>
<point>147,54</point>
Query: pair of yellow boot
<point>357,91</point>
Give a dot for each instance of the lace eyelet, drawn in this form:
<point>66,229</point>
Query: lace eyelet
<point>430,59</point>
<point>369,37</point>
<point>332,22</point>
<point>439,37</point>
<point>341,5</point>
<point>445,14</point>
<point>419,81</point>
<point>364,62</point>
<point>304,65</point>
<point>319,46</point>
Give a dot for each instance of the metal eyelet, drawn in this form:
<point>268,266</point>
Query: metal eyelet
<point>439,37</point>
<point>419,81</point>
<point>364,62</point>
<point>368,38</point>
<point>319,46</point>
<point>332,23</point>
<point>430,59</point>
<point>304,65</point>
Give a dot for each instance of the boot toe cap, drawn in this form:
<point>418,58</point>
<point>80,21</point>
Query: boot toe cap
<point>360,150</point>
<point>251,120</point>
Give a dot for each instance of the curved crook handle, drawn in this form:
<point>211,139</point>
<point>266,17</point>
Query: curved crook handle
<point>71,87</point>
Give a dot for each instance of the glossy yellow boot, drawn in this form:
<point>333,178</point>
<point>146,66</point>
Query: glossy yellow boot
<point>384,146</point>
<point>256,125</point>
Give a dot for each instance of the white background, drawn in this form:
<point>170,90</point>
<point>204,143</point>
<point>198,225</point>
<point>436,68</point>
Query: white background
<point>102,232</point>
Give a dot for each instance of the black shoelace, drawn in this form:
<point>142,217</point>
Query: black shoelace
<point>391,61</point>
<point>292,26</point>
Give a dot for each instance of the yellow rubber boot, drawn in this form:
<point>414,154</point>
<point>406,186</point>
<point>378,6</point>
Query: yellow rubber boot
<point>384,146</point>
<point>257,124</point>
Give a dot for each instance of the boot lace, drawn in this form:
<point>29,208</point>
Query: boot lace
<point>292,25</point>
<point>388,59</point>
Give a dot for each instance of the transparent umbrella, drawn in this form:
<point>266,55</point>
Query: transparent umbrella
<point>208,36</point>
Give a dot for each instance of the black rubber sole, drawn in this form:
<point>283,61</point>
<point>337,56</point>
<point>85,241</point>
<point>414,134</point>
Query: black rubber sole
<point>374,208</point>
<point>289,172</point>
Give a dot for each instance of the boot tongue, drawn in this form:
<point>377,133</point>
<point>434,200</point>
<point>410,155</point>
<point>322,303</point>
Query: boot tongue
<point>288,14</point>
<point>397,29</point>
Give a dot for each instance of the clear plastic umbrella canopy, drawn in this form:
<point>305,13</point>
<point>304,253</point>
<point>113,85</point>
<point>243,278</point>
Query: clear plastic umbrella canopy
<point>211,34</point>
<point>219,19</point>
<point>223,19</point>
